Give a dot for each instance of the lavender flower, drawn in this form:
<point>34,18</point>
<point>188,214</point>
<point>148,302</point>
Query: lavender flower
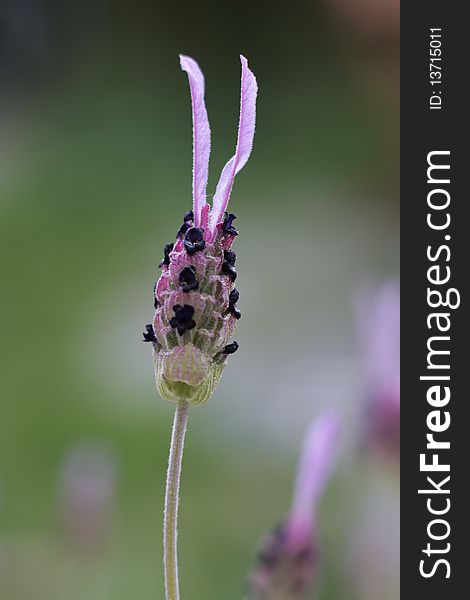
<point>379,329</point>
<point>288,559</point>
<point>195,296</point>
<point>87,487</point>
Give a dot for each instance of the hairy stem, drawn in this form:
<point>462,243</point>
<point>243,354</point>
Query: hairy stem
<point>170,521</point>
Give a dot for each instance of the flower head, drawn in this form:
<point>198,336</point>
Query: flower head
<point>288,559</point>
<point>195,297</point>
<point>379,332</point>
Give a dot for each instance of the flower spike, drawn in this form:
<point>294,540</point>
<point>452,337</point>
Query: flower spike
<point>195,298</point>
<point>315,466</point>
<point>288,558</point>
<point>201,135</point>
<point>378,324</point>
<point>246,132</point>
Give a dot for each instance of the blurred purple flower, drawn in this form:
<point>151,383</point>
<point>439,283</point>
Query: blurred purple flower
<point>379,332</point>
<point>195,297</point>
<point>288,558</point>
<point>87,482</point>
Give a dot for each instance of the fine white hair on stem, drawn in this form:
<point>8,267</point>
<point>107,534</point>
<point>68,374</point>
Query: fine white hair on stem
<point>170,521</point>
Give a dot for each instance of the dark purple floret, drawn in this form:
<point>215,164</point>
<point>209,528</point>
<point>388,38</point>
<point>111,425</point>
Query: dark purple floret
<point>194,235</point>
<point>187,218</point>
<point>183,229</point>
<point>166,254</point>
<point>293,568</point>
<point>268,554</point>
<point>234,296</point>
<point>232,300</point>
<point>229,270</point>
<point>230,257</point>
<point>183,319</point>
<point>156,303</point>
<point>233,310</point>
<point>228,266</point>
<point>230,348</point>
<point>194,240</point>
<point>227,226</point>
<point>149,335</point>
<point>187,279</point>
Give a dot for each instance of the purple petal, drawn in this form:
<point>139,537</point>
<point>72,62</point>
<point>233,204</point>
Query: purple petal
<point>201,135</point>
<point>378,319</point>
<point>246,132</point>
<point>316,464</point>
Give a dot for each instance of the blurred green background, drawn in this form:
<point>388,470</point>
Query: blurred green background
<point>95,174</point>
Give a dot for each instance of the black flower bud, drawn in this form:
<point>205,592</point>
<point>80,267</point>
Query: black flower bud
<point>166,254</point>
<point>227,226</point>
<point>229,270</point>
<point>187,279</point>
<point>149,335</point>
<point>230,257</point>
<point>194,240</point>
<point>230,348</point>
<point>183,319</point>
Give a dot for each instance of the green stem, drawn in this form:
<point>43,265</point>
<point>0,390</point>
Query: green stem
<point>170,521</point>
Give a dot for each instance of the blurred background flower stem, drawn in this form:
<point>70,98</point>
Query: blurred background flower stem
<point>170,522</point>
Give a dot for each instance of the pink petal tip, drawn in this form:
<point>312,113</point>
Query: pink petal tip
<point>201,135</point>
<point>246,132</point>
